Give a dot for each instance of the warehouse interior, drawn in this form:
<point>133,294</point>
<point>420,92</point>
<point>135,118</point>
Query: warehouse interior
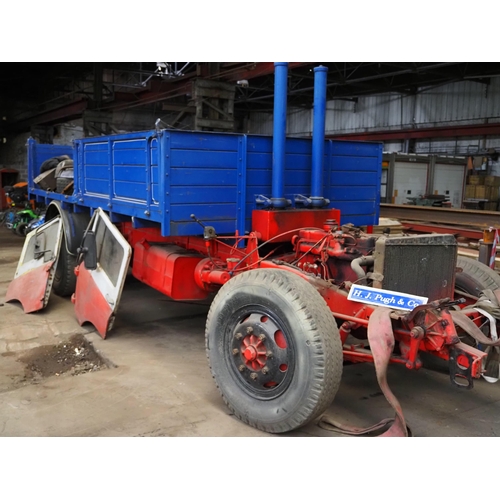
<point>396,103</point>
<point>435,110</point>
<point>438,124</point>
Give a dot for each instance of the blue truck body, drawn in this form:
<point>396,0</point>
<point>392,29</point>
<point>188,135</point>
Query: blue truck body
<point>162,177</point>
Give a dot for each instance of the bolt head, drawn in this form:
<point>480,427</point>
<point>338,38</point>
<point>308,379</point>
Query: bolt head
<point>269,354</point>
<point>238,336</point>
<point>265,370</point>
<point>235,351</point>
<point>253,376</point>
<point>241,368</point>
<point>262,337</point>
<point>249,329</point>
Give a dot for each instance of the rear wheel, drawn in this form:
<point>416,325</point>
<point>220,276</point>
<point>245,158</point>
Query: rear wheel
<point>475,277</point>
<point>64,278</point>
<point>274,349</point>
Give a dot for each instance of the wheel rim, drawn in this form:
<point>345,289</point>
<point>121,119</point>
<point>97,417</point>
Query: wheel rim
<point>261,353</point>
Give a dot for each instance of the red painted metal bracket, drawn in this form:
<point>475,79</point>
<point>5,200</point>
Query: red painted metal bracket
<point>279,225</point>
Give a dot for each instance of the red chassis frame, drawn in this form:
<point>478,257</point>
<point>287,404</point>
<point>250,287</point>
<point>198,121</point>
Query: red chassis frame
<point>167,263</point>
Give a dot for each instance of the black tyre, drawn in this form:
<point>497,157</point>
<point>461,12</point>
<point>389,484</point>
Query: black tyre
<point>64,278</point>
<point>21,229</point>
<point>475,277</point>
<point>52,163</point>
<point>274,350</point>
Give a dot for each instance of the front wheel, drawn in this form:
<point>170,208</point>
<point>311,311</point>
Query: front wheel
<point>274,349</point>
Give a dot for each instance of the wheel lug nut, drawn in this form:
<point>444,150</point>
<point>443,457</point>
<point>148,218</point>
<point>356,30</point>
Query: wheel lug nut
<point>241,368</point>
<point>265,370</point>
<point>238,336</point>
<point>253,376</point>
<point>249,329</point>
<point>269,354</point>
<point>235,351</point>
<point>262,337</point>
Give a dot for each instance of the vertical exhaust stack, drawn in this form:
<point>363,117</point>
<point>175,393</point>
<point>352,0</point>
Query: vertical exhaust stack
<point>318,140</point>
<point>279,134</point>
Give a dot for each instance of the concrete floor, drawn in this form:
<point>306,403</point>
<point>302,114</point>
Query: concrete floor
<point>162,386</point>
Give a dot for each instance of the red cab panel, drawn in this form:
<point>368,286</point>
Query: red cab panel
<point>35,271</point>
<point>101,273</point>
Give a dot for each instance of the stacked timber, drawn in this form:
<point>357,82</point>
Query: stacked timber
<point>384,223</point>
<point>473,253</point>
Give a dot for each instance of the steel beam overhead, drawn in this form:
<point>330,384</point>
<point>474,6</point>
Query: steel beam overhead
<point>423,133</point>
<point>438,215</point>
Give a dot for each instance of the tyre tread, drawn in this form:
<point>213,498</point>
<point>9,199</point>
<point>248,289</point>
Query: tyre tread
<point>65,281</point>
<point>481,273</point>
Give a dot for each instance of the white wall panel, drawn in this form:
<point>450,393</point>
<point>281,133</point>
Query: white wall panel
<point>410,181</point>
<point>449,181</point>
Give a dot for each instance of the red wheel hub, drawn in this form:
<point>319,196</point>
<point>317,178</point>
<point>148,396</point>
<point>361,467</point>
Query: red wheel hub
<point>250,353</point>
<point>254,352</point>
<point>261,354</point>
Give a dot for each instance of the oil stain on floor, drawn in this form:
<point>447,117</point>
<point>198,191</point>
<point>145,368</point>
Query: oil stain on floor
<point>71,357</point>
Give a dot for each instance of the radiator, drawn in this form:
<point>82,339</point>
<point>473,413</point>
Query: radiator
<point>421,265</point>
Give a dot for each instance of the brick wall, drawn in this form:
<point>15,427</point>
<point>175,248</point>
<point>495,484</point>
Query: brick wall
<point>13,154</point>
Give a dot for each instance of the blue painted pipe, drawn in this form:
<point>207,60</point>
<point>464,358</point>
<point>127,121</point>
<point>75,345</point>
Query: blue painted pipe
<point>318,140</point>
<point>279,134</point>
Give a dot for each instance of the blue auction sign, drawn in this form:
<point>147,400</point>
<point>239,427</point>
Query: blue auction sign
<point>385,298</point>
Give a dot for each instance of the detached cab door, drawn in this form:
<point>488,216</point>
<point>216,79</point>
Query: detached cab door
<point>101,273</point>
<point>35,271</point>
